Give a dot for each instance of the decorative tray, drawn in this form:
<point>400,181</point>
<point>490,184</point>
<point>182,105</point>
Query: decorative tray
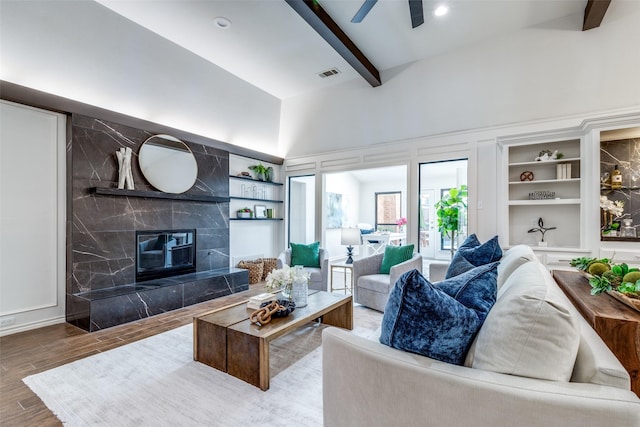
<point>631,302</point>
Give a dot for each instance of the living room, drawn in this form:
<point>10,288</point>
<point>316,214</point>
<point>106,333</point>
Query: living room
<point>544,83</point>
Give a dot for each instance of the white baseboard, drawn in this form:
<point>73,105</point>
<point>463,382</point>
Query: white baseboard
<point>13,329</point>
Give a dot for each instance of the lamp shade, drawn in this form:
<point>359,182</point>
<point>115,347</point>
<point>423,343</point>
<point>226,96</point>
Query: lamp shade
<point>350,236</point>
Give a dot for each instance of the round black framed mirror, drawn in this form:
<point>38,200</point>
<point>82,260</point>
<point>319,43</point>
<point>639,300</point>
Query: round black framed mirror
<point>168,164</point>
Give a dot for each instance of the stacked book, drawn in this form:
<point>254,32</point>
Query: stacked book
<point>255,301</point>
<point>563,171</point>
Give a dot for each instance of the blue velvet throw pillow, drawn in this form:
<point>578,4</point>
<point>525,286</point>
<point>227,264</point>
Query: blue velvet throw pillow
<point>473,254</point>
<point>439,321</point>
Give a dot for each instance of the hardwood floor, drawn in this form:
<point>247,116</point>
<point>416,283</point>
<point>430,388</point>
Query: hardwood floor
<point>27,353</point>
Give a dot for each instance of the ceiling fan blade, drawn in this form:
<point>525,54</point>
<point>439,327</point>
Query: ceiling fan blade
<point>417,15</point>
<point>362,12</point>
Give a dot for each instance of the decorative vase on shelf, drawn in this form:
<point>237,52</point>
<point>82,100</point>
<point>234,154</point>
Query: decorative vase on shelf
<point>628,230</point>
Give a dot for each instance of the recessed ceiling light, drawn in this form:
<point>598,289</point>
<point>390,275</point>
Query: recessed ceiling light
<point>222,22</point>
<point>441,10</point>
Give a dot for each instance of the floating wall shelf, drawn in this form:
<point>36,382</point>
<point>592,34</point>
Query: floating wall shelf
<point>158,195</point>
<point>255,180</point>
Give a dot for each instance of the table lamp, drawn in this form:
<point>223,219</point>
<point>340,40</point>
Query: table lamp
<point>350,237</point>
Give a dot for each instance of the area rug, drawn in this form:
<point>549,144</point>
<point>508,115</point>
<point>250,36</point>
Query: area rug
<point>156,382</point>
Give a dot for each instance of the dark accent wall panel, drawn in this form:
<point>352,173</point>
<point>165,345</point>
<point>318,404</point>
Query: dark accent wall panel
<point>101,234</point>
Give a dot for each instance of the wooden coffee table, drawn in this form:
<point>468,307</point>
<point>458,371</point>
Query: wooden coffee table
<point>226,340</point>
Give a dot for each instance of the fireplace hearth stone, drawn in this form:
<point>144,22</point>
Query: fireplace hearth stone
<point>104,308</point>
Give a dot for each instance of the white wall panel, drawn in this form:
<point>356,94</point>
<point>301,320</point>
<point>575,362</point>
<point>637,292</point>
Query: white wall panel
<point>31,216</point>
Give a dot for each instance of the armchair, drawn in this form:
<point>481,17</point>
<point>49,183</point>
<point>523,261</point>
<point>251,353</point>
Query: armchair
<point>371,288</point>
<point>319,276</point>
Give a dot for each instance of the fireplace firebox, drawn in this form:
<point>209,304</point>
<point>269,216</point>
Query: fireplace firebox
<point>164,253</point>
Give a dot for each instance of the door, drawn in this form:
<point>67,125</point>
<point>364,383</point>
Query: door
<point>302,209</point>
<point>435,181</point>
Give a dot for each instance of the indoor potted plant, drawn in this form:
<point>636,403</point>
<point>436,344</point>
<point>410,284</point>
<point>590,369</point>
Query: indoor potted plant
<point>263,173</point>
<point>244,213</point>
<point>448,210</point>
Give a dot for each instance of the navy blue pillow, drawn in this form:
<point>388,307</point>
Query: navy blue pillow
<point>476,289</point>
<point>473,254</point>
<point>423,318</point>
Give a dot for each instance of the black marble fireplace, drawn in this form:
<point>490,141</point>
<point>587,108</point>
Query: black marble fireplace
<point>103,285</point>
<point>164,253</point>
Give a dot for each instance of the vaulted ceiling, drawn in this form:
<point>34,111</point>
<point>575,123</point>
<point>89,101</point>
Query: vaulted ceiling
<point>269,43</point>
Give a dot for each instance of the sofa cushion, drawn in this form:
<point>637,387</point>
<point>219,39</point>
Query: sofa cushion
<point>375,282</point>
<point>394,255</point>
<point>421,318</point>
<point>512,259</point>
<point>473,254</point>
<point>531,331</point>
<point>305,255</point>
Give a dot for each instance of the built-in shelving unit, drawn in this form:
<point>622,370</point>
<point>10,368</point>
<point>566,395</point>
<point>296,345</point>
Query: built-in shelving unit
<point>252,238</point>
<point>550,189</point>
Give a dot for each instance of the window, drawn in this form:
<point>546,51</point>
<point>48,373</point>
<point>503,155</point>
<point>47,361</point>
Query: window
<point>388,208</point>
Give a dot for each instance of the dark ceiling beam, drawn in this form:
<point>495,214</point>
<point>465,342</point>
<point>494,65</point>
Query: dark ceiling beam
<point>594,13</point>
<point>320,21</point>
<point>417,15</point>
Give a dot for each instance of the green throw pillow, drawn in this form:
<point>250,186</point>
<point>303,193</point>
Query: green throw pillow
<point>305,255</point>
<point>395,255</point>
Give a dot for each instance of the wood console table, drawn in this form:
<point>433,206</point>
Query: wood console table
<point>617,324</point>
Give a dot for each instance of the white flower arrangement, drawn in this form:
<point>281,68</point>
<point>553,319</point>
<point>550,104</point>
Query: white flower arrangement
<point>616,208</point>
<point>612,212</point>
<point>283,278</point>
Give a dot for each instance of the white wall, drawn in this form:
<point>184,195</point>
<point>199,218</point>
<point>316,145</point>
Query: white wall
<point>349,187</point>
<point>32,218</point>
<point>539,73</point>
<point>70,49</point>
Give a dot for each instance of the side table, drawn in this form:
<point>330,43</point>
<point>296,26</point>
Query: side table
<point>347,270</point>
<point>617,324</point>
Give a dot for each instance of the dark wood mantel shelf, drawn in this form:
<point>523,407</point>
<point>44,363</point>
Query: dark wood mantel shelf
<point>158,195</point>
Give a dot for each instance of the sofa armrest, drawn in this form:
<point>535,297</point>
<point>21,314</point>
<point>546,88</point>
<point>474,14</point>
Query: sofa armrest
<point>366,383</point>
<point>284,258</point>
<point>437,271</point>
<point>415,263</point>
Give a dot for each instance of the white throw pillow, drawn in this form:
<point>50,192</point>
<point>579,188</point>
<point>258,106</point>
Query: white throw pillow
<point>511,260</point>
<point>531,331</point>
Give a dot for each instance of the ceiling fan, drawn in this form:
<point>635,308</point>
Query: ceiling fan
<point>415,9</point>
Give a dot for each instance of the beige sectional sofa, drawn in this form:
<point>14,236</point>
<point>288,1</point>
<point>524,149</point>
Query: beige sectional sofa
<point>534,362</point>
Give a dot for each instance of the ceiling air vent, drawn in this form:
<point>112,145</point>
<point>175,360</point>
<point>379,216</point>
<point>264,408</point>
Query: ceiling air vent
<point>329,73</point>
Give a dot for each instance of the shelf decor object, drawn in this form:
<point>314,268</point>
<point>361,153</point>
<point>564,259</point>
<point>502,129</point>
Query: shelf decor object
<point>260,211</point>
<point>542,195</point>
<point>244,213</point>
<point>541,229</point>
